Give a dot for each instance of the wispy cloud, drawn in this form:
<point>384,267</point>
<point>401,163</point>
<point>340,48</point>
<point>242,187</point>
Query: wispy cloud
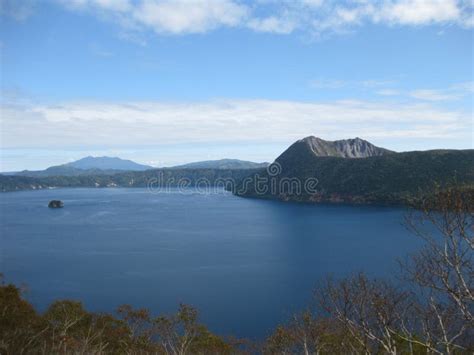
<point>434,95</point>
<point>328,83</point>
<point>323,83</point>
<point>272,24</point>
<point>339,17</point>
<point>316,17</point>
<point>388,92</point>
<point>148,123</point>
<point>418,12</point>
<point>389,87</point>
<point>165,16</point>
<point>181,16</point>
<point>452,93</point>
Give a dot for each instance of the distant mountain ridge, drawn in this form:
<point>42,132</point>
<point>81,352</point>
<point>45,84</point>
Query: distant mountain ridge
<point>222,164</point>
<point>110,165</point>
<point>107,163</point>
<point>87,166</point>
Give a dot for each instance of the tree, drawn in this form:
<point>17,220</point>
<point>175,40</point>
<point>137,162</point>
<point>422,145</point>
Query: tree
<point>20,326</point>
<point>67,328</point>
<point>308,334</point>
<point>443,270</point>
<point>371,311</point>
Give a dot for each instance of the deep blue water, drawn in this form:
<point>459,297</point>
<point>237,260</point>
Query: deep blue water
<point>246,264</point>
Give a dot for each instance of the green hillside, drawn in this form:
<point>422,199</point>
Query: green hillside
<point>392,178</point>
<point>153,179</point>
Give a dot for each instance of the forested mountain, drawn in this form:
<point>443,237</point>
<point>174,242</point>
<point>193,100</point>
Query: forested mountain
<point>386,178</point>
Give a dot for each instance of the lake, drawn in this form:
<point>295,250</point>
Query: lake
<point>246,264</point>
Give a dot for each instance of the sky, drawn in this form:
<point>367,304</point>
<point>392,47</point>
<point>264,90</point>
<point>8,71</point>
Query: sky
<point>166,82</point>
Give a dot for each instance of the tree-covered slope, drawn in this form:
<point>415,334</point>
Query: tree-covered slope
<point>391,178</point>
<point>154,179</point>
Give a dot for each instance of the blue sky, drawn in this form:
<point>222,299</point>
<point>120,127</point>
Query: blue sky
<point>166,82</point>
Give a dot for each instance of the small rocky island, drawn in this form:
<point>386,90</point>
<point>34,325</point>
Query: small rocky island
<point>55,204</point>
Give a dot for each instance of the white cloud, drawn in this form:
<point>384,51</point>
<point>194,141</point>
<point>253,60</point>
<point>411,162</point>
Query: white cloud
<point>316,17</point>
<point>419,12</point>
<point>341,18</point>
<point>466,87</point>
<point>109,5</point>
<point>188,16</point>
<point>148,123</point>
<point>339,83</point>
<point>373,83</point>
<point>387,92</point>
<point>272,24</point>
<point>434,95</point>
<point>312,3</point>
<point>452,93</point>
<point>281,17</point>
<point>165,16</point>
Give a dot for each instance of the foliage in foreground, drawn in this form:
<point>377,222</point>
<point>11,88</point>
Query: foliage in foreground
<point>66,327</point>
<point>432,312</point>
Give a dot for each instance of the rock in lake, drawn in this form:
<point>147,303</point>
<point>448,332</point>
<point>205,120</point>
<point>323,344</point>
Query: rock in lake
<point>55,204</point>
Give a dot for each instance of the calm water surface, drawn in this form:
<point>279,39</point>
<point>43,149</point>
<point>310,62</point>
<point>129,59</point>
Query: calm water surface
<point>245,264</point>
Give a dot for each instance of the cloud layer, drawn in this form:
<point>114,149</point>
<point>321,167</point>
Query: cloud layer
<point>317,17</point>
<point>150,123</point>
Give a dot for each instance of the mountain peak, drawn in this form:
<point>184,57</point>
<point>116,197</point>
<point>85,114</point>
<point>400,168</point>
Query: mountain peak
<point>106,163</point>
<point>311,146</point>
<point>310,139</point>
